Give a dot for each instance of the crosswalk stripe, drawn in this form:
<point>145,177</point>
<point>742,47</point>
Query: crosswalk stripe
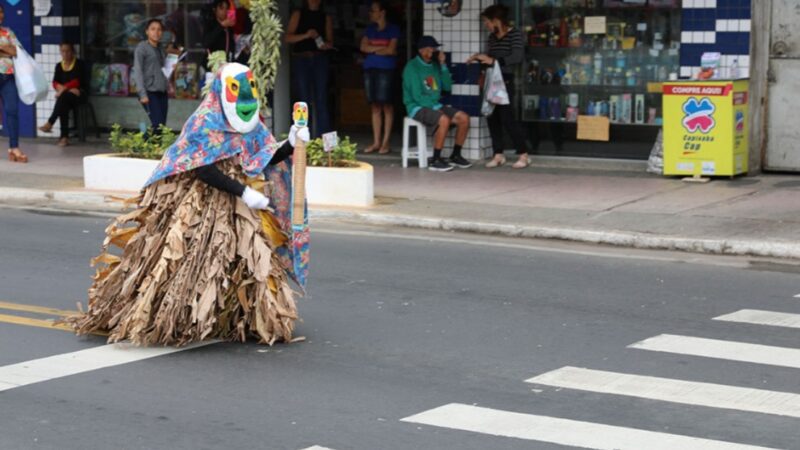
<point>66,364</point>
<point>719,349</point>
<point>561,431</point>
<point>760,317</point>
<point>671,390</point>
<point>317,447</point>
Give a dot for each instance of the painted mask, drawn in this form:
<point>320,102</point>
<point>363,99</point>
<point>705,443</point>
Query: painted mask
<point>300,115</point>
<point>239,97</point>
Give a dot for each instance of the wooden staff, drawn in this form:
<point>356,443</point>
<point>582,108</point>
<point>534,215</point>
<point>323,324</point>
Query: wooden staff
<point>299,168</point>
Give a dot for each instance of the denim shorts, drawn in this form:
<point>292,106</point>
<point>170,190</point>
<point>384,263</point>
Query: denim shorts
<point>378,86</point>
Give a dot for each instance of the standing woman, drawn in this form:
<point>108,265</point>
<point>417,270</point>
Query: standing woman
<point>507,47</point>
<point>69,82</point>
<point>380,45</point>
<point>8,90</point>
<point>310,32</point>
<point>151,84</point>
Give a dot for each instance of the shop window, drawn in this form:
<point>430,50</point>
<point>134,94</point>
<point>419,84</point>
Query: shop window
<point>112,29</point>
<point>597,58</point>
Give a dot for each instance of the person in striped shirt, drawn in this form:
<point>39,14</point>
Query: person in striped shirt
<point>506,47</point>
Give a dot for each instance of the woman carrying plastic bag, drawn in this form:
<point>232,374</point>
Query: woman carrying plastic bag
<point>29,77</point>
<point>9,44</point>
<point>505,51</point>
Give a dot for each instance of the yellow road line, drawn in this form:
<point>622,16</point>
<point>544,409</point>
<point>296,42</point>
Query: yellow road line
<point>34,322</point>
<point>35,309</point>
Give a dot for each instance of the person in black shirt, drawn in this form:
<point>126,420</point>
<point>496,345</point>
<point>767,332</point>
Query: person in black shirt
<point>71,85</point>
<point>507,48</point>
<point>310,31</point>
<point>218,35</point>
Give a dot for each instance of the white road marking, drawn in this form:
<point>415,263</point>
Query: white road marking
<point>561,431</point>
<point>66,364</point>
<point>760,317</point>
<point>797,296</point>
<point>671,390</point>
<point>714,348</point>
<point>317,447</point>
<point>612,252</point>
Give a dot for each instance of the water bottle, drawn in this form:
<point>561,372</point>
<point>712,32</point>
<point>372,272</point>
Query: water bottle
<point>735,69</point>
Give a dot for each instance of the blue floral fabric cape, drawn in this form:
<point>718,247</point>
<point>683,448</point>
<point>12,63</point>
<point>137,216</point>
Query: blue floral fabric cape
<point>207,138</point>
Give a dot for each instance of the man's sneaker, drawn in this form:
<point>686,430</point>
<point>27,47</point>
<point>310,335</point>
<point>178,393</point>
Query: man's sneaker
<point>439,165</point>
<point>459,161</point>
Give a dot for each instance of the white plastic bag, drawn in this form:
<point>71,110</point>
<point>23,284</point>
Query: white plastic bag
<point>29,77</point>
<point>494,90</point>
<point>497,92</point>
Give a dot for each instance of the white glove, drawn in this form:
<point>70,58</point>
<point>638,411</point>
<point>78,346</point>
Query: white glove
<point>299,132</point>
<point>254,199</point>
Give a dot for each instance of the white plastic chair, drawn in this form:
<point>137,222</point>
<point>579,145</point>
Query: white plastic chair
<point>420,152</point>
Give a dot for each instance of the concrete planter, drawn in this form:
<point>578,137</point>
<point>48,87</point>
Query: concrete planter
<point>110,172</point>
<point>340,186</point>
<point>334,186</point>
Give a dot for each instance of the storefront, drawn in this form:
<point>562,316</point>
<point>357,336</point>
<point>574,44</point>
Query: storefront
<point>583,57</point>
<point>597,58</point>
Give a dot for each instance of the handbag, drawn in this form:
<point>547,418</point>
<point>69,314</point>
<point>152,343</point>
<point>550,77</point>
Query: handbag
<point>29,78</point>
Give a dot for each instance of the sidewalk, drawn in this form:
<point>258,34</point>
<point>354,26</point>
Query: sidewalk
<point>757,216</point>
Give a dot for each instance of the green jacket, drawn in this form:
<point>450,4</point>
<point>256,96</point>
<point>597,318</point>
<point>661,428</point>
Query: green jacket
<point>423,84</point>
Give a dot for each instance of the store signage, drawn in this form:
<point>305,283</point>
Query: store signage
<point>680,89</point>
<point>699,115</point>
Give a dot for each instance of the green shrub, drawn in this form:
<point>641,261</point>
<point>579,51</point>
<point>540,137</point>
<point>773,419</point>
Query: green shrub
<point>141,145</point>
<point>343,155</point>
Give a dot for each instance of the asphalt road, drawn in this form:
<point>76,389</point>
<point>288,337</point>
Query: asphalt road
<point>399,323</point>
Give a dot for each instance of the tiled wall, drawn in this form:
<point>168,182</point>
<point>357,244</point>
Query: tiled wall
<point>461,36</point>
<point>716,26</point>
<point>60,25</point>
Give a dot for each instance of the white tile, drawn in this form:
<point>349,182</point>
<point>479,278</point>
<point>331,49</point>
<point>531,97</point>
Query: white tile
<point>722,25</point>
<point>733,25</point>
<point>686,72</point>
<point>698,37</point>
<point>37,30</point>
<point>744,25</point>
<point>686,37</point>
<point>711,3</point>
<point>710,37</point>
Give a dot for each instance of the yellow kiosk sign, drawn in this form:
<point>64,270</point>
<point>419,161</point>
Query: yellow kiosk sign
<point>705,127</point>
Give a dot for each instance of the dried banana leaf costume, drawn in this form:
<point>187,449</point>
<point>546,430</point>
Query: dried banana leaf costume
<point>196,262</point>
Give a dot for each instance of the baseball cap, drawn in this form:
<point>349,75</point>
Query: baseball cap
<point>427,41</point>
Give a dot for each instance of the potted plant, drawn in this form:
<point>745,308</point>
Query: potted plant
<point>336,177</point>
<point>136,155</point>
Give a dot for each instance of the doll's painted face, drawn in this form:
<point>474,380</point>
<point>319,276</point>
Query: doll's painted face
<point>239,97</point>
<point>300,115</point>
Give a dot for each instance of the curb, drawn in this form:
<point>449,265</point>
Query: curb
<point>102,202</point>
<point>734,247</point>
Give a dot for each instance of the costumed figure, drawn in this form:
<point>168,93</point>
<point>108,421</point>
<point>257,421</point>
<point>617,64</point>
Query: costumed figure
<point>211,248</point>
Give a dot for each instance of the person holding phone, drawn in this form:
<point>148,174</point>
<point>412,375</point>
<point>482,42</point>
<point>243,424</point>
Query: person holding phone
<point>218,34</point>
<point>507,47</point>
<point>310,32</point>
<point>424,79</point>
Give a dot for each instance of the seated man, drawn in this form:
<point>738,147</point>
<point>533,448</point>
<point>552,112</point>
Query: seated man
<point>423,82</point>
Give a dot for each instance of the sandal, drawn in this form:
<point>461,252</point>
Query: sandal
<point>521,163</point>
<point>371,149</point>
<point>46,128</point>
<point>496,162</point>
<point>63,142</point>
<point>17,156</point>
<point>385,151</point>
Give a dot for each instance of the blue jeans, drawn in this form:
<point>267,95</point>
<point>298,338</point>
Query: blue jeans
<point>10,98</point>
<point>310,85</point>
<point>157,109</point>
